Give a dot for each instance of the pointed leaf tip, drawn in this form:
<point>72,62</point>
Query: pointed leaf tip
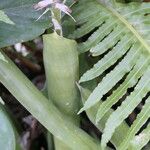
<point>80,111</point>
<point>81,80</point>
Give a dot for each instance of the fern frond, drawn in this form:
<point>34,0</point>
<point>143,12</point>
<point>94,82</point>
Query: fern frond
<point>108,59</point>
<point>113,77</point>
<point>130,81</point>
<point>136,13</point>
<point>120,37</point>
<point>120,133</point>
<point>126,108</point>
<point>140,140</point>
<point>139,122</point>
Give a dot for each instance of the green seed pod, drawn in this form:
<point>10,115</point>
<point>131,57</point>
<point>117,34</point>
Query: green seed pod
<point>62,72</point>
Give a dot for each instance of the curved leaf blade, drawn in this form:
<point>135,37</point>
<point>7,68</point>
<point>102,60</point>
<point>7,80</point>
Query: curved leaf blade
<point>140,140</point>
<point>24,27</point>
<point>126,108</point>
<point>7,132</point>
<point>138,123</point>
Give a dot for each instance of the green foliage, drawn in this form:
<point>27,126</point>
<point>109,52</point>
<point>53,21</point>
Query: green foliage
<point>4,18</point>
<point>59,55</point>
<point>139,122</point>
<point>20,23</point>
<point>8,134</point>
<point>115,34</point>
<point>120,133</point>
<point>139,141</point>
<point>42,108</point>
<point>122,36</point>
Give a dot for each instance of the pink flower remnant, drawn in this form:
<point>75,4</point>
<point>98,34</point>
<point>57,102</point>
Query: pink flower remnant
<point>63,8</point>
<point>55,3</point>
<point>43,4</point>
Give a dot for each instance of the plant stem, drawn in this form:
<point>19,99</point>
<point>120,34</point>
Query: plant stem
<point>56,16</point>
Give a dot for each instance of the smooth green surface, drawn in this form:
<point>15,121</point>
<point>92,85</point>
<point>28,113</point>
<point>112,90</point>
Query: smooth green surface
<point>62,71</point>
<point>7,132</point>
<point>42,109</point>
<point>24,26</point>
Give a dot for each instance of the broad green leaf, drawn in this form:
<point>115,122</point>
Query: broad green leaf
<point>20,21</point>
<point>43,109</point>
<point>7,132</point>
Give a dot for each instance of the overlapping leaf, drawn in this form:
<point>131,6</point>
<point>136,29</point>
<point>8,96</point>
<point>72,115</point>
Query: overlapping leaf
<point>8,134</point>
<point>120,36</point>
<point>18,21</point>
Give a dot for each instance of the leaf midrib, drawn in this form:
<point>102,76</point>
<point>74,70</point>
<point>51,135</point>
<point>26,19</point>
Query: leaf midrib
<point>128,25</point>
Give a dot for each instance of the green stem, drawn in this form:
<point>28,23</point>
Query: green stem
<point>42,109</point>
<point>56,14</point>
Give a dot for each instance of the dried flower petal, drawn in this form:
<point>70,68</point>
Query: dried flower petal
<point>56,4</point>
<point>63,8</point>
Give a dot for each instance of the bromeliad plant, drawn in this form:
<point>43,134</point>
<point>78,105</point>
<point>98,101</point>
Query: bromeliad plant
<point>113,34</point>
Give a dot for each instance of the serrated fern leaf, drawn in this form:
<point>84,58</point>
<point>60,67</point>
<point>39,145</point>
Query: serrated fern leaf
<point>130,81</point>
<point>139,122</point>
<point>120,36</point>
<point>108,59</point>
<point>113,77</point>
<point>91,113</point>
<point>140,140</point>
<point>126,108</point>
<point>138,15</point>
